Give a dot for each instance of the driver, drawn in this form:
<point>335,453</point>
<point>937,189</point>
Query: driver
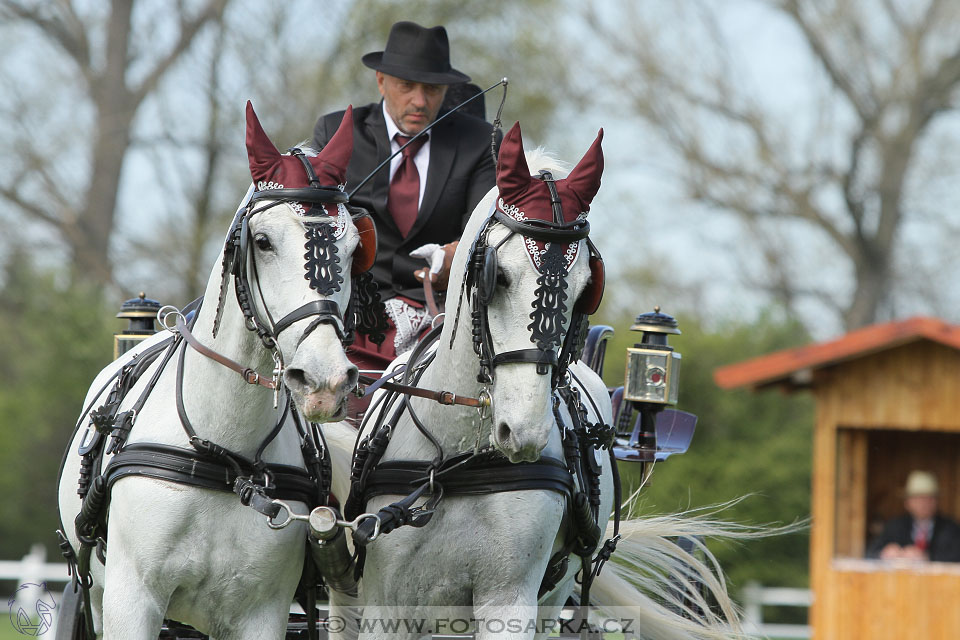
<point>422,202</point>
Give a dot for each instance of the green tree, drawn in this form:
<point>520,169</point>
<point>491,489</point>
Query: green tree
<point>746,444</point>
<point>53,340</point>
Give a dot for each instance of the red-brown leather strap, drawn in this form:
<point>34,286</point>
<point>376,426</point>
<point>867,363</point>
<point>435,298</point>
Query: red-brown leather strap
<point>248,374</point>
<point>443,397</point>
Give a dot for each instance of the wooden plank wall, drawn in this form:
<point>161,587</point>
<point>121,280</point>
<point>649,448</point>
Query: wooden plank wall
<point>877,418</point>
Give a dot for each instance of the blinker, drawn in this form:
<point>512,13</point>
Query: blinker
<point>487,284</point>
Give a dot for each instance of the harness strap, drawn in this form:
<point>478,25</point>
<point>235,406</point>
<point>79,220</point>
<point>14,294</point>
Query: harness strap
<point>183,466</point>
<point>567,232</point>
<point>313,195</point>
<point>328,310</point>
<point>468,474</point>
<point>539,357</point>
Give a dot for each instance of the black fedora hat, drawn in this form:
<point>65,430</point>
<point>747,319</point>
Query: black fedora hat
<point>416,53</point>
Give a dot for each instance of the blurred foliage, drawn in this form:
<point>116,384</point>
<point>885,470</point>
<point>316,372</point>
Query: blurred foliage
<point>54,338</point>
<point>330,74</point>
<point>756,444</point>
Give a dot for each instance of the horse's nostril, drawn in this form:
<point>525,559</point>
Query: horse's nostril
<point>295,378</point>
<point>503,432</point>
<point>353,376</point>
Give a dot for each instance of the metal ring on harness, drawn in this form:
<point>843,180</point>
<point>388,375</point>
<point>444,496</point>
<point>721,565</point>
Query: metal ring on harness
<point>317,515</point>
<point>291,516</point>
<point>165,313</point>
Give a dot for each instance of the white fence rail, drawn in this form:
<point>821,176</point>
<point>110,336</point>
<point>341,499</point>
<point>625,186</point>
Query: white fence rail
<point>756,596</point>
<point>33,568</point>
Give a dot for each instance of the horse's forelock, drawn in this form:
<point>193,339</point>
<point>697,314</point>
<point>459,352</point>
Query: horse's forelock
<point>540,159</point>
<point>308,151</point>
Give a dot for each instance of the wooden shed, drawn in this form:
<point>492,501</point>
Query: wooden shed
<point>887,402</point>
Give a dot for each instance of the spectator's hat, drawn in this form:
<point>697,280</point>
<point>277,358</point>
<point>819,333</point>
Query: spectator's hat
<point>921,483</point>
<point>416,53</point>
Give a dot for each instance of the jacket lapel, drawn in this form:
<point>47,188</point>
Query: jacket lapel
<point>377,130</point>
<point>443,151</point>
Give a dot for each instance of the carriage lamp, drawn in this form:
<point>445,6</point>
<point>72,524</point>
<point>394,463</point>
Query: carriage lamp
<point>140,313</point>
<point>653,367</point>
<point>652,382</point>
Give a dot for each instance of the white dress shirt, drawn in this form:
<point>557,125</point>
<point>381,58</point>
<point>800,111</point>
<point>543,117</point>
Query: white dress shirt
<point>421,160</point>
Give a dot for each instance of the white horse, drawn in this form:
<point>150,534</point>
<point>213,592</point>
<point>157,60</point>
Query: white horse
<point>483,557</point>
<point>195,554</point>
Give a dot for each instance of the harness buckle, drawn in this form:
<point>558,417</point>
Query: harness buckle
<point>251,376</point>
<point>277,377</point>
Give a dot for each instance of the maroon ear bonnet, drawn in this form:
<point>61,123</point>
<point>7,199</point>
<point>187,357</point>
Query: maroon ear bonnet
<point>524,197</point>
<point>529,198</point>
<point>272,170</point>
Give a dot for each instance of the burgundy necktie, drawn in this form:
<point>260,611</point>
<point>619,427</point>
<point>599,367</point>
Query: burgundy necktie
<point>404,197</point>
<point>921,539</point>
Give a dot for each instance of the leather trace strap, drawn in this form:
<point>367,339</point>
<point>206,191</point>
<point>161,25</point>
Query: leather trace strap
<point>248,374</point>
<point>443,397</point>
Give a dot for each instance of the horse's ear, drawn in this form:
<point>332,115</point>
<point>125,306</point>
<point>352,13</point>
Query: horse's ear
<point>584,181</point>
<point>261,152</point>
<point>513,175</point>
<point>335,155</point>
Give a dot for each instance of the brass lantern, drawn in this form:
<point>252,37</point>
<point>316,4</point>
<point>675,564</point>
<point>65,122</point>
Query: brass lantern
<point>653,367</point>
<point>652,382</point>
<point>141,314</point>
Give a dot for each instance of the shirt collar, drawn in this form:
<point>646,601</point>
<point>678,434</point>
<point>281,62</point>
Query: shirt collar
<point>392,128</point>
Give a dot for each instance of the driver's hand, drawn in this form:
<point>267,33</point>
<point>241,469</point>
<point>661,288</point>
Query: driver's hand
<point>439,258</point>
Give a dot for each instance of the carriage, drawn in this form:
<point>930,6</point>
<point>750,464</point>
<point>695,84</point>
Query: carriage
<point>223,494</point>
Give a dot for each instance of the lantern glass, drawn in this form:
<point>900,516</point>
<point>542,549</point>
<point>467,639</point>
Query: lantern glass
<point>653,375</point>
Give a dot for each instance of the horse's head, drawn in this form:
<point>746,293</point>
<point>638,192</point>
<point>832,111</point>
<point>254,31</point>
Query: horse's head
<point>534,277</point>
<point>293,253</point>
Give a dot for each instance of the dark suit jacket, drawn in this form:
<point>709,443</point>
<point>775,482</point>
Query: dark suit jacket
<point>944,545</point>
<point>461,172</point>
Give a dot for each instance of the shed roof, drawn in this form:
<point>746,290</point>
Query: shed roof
<point>794,367</point>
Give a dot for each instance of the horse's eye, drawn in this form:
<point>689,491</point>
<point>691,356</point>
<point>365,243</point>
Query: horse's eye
<point>262,242</point>
<point>502,279</point>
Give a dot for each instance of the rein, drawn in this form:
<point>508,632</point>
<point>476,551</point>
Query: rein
<point>442,397</point>
<point>249,375</point>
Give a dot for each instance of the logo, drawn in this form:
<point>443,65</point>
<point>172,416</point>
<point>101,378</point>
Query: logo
<point>31,609</point>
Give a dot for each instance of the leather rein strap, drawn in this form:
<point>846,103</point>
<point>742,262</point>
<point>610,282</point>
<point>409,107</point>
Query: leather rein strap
<point>248,374</point>
<point>327,312</point>
<point>443,397</point>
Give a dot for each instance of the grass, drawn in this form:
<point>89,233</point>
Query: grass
<point>7,630</point>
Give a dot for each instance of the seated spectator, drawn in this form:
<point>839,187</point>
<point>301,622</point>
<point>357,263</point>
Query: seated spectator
<point>922,533</point>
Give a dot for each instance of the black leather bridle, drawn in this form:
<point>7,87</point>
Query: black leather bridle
<point>547,328</point>
<point>238,262</point>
